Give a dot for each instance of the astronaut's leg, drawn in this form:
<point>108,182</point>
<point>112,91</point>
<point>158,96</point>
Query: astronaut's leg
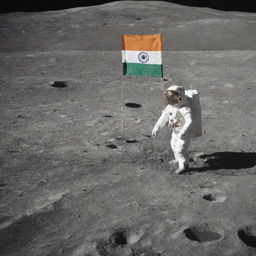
<point>181,153</point>
<point>185,151</point>
<point>173,143</point>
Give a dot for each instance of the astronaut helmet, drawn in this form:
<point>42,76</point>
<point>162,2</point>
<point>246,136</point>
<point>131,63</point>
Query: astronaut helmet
<point>174,94</point>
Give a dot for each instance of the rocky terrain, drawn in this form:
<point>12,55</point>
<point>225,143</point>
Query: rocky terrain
<point>70,184</point>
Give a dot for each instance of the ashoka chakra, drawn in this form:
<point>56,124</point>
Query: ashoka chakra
<point>143,57</point>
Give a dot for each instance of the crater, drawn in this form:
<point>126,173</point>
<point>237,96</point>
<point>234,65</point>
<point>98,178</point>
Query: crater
<point>119,238</point>
<point>59,84</point>
<point>132,105</point>
<point>248,236</point>
<point>112,146</point>
<point>119,242</point>
<point>131,141</point>
<point>209,197</point>
<point>114,245</point>
<point>217,197</point>
<point>202,233</point>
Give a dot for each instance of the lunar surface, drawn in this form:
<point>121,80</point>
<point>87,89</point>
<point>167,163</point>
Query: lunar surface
<point>71,185</point>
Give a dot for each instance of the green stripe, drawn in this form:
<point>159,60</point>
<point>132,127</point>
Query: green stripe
<point>137,69</point>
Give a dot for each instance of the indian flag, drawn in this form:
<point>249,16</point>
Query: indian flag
<point>142,55</point>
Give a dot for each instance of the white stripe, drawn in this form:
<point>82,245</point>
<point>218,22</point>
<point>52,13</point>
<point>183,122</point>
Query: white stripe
<point>155,57</point>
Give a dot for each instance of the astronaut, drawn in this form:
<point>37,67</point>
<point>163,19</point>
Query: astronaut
<point>179,118</point>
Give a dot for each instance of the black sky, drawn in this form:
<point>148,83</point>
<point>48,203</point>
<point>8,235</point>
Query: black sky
<point>44,5</point>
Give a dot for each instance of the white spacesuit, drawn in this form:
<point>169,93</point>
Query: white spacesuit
<point>179,119</point>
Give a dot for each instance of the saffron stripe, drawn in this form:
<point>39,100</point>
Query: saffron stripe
<point>141,42</point>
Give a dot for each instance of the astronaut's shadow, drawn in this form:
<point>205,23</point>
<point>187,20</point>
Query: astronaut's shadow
<point>226,160</point>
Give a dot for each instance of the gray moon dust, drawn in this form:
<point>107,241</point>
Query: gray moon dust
<point>71,185</point>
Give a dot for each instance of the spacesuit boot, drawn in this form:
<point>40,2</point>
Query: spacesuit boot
<point>182,168</point>
<point>182,164</point>
<point>173,162</point>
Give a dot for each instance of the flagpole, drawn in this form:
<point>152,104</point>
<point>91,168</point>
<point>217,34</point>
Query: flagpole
<point>162,86</point>
<point>162,80</point>
<point>122,106</point>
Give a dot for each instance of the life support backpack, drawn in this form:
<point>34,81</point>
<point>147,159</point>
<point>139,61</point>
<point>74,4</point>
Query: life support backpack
<point>194,102</point>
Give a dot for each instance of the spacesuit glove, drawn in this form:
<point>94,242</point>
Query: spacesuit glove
<point>154,131</point>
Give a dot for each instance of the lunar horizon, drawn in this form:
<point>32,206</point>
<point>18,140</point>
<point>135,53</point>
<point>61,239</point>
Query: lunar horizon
<point>29,5</point>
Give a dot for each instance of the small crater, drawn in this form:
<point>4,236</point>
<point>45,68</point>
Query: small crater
<point>112,146</point>
<point>21,116</point>
<point>209,197</point>
<point>132,105</point>
<point>248,236</point>
<point>201,234</point>
<point>119,244</point>
<point>131,141</point>
<point>119,238</point>
<point>215,197</point>
<point>59,84</point>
